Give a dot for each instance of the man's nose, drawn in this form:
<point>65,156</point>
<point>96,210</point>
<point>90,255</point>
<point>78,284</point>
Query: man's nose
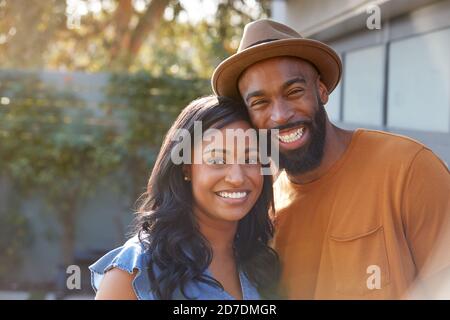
<point>281,113</point>
<point>235,175</point>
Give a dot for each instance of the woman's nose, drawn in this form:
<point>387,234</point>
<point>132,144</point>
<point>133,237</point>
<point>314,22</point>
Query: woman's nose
<point>235,175</point>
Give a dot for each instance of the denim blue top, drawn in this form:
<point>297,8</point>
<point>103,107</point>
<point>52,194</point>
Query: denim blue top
<point>132,256</point>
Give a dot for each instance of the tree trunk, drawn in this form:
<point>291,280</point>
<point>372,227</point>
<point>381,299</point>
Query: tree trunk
<point>129,41</point>
<point>122,18</point>
<point>149,21</point>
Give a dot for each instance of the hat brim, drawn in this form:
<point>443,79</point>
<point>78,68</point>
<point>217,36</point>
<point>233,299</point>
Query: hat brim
<point>325,59</point>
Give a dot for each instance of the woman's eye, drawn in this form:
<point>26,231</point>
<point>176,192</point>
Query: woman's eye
<point>251,161</point>
<point>216,161</point>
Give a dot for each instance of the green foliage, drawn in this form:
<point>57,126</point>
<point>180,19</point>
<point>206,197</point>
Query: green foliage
<point>49,140</point>
<point>53,144</point>
<point>147,105</point>
<point>34,36</point>
<point>28,29</point>
<point>15,236</point>
<point>188,49</point>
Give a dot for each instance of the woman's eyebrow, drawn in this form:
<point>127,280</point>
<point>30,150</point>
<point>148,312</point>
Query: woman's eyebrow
<point>214,150</point>
<point>251,149</point>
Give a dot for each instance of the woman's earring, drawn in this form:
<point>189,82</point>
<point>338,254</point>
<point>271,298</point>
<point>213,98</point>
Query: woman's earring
<point>186,178</point>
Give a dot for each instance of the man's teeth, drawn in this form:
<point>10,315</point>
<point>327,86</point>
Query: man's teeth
<point>233,195</point>
<point>294,136</point>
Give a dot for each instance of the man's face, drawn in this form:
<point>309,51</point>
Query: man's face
<point>285,93</point>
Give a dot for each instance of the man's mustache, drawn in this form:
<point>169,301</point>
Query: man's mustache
<point>292,125</point>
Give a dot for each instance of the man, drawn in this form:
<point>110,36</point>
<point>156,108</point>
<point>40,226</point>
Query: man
<point>359,214</point>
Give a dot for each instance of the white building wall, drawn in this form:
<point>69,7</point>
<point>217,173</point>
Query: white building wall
<point>395,79</point>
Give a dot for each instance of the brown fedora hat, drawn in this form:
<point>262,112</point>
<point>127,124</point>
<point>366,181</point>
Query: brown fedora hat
<point>263,39</point>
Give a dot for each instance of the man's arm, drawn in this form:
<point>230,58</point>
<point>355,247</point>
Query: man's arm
<point>426,216</point>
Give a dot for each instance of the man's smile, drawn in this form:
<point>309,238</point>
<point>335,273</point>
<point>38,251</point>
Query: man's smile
<point>293,138</point>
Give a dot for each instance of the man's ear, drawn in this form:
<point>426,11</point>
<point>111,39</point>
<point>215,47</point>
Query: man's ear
<point>323,91</point>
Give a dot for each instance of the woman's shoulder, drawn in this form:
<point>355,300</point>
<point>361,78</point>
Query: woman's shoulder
<point>131,258</point>
<point>117,285</point>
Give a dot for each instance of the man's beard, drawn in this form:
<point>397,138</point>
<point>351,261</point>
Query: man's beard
<point>309,156</point>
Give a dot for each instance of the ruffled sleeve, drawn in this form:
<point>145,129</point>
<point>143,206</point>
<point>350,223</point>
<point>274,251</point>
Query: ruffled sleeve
<point>129,257</point>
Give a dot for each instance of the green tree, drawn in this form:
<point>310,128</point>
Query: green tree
<point>27,30</point>
<point>15,236</point>
<point>119,35</point>
<point>52,145</point>
<point>147,105</point>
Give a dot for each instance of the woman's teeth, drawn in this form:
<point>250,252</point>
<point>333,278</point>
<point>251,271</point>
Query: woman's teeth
<point>294,136</point>
<point>233,195</point>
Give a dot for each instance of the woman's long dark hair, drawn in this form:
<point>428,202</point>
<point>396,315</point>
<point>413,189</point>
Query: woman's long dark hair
<point>167,227</point>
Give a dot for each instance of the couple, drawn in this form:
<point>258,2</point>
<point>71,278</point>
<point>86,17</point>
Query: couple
<point>357,214</point>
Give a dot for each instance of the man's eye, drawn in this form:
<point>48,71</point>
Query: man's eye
<point>295,91</point>
<point>258,103</point>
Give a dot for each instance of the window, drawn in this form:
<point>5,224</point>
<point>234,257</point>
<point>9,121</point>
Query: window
<point>363,86</point>
<point>334,104</point>
<point>419,82</point>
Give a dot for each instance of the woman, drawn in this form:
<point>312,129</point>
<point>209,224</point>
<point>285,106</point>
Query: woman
<point>202,229</point>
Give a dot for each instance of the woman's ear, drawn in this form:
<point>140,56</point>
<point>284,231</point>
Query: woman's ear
<point>187,172</point>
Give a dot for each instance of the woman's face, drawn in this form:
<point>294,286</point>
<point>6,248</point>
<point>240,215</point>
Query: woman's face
<point>228,182</point>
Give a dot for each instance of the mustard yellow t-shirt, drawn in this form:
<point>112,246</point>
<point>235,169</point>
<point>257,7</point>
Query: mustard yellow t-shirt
<point>368,227</point>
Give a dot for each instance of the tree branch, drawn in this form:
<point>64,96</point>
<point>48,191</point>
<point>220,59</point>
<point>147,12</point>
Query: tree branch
<point>122,18</point>
<point>149,21</point>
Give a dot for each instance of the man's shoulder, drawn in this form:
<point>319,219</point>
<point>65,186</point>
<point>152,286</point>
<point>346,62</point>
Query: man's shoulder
<point>389,138</point>
<point>388,145</point>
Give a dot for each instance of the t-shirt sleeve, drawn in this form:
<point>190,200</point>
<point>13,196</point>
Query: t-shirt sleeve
<point>426,213</point>
<point>129,257</point>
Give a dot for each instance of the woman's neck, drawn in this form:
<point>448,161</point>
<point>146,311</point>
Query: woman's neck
<point>219,233</point>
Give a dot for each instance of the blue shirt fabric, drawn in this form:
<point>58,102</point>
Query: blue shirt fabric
<point>132,256</point>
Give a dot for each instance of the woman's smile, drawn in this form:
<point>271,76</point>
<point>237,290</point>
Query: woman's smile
<point>233,197</point>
